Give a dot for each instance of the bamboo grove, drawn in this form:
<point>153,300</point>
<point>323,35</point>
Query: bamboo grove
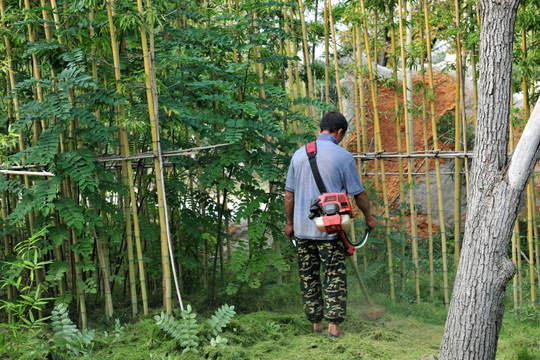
<point>135,134</point>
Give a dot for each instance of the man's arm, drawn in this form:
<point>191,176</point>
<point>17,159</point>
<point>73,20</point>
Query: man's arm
<point>289,210</point>
<point>362,200</point>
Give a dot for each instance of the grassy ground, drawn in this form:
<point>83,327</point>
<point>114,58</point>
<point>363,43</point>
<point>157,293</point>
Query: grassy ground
<point>406,331</point>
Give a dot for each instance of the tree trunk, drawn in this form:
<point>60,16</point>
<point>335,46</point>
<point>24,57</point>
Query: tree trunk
<point>497,184</point>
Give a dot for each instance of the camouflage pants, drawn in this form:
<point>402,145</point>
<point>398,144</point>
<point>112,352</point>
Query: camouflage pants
<point>329,299</point>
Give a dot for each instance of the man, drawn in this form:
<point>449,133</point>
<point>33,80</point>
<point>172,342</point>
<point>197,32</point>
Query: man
<point>339,174</point>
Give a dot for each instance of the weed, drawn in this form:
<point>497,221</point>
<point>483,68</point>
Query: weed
<point>187,332</point>
<point>67,337</point>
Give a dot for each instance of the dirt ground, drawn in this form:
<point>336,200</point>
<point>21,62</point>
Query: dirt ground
<point>445,93</point>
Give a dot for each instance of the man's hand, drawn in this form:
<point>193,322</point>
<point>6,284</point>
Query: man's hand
<point>371,221</point>
<point>289,231</point>
<point>289,210</point>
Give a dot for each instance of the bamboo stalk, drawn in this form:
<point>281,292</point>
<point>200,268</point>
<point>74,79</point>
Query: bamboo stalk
<point>13,84</point>
<point>336,65</point>
<point>289,62</point>
<point>361,103</point>
<point>536,242</point>
<point>400,151</point>
<point>258,64</point>
<point>428,180</point>
<point>474,77</point>
<point>326,55</point>
<point>517,280</point>
<point>36,73</point>
<point>126,152</point>
<point>307,64</point>
<point>515,293</point>
<point>410,167</point>
<point>299,89</point>
<point>530,238</point>
<point>105,273</point>
<point>7,250</point>
<point>151,94</point>
<point>458,130</point>
<point>431,96</point>
<point>378,145</point>
<point>530,188</point>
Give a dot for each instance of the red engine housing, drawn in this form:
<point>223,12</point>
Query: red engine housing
<point>339,198</point>
<point>330,208</point>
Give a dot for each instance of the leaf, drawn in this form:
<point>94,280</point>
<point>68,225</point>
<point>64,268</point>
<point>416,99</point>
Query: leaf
<point>70,211</point>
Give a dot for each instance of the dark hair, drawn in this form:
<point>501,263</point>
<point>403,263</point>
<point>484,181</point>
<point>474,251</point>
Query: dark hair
<point>333,121</point>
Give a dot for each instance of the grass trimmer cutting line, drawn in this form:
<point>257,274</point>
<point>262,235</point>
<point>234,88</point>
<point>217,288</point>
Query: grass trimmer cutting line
<point>374,312</point>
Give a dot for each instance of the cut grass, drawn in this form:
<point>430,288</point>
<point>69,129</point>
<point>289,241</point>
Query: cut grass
<point>406,331</point>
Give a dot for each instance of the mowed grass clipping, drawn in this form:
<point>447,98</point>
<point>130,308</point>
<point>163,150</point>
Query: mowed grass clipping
<point>406,331</point>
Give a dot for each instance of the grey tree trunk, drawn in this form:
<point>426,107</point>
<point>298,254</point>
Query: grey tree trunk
<point>497,184</point>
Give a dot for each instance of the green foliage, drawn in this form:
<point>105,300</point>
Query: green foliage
<point>528,313</point>
<point>21,273</point>
<point>221,318</point>
<point>69,340</point>
<point>188,334</point>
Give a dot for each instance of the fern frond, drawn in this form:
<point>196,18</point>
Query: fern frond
<point>185,330</point>
<point>70,212</point>
<point>79,165</point>
<point>221,318</point>
<point>66,334</point>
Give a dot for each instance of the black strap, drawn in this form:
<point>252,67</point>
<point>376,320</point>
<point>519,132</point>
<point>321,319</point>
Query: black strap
<point>311,150</point>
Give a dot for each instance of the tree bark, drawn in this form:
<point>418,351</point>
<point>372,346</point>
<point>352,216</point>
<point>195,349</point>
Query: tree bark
<point>497,184</point>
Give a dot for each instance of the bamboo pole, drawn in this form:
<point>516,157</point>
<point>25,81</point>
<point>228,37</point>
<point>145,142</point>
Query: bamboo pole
<point>428,179</point>
<point>289,62</point>
<point>431,97</point>
<point>35,71</point>
<point>458,137</point>
<point>378,145</point>
<point>531,203</point>
<point>7,249</point>
<point>13,84</point>
<point>105,273</point>
<point>517,284</point>
<point>336,65</point>
<point>125,151</point>
<point>408,72</point>
<point>399,140</point>
<point>515,292</point>
<point>151,94</point>
<point>326,55</point>
<point>361,103</point>
<point>473,67</point>
<point>410,168</point>
<point>515,231</point>
<point>535,232</point>
<point>258,65</point>
<point>530,238</point>
<point>307,64</point>
<point>300,90</point>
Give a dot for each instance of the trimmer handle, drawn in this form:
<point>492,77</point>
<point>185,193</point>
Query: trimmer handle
<point>364,240</point>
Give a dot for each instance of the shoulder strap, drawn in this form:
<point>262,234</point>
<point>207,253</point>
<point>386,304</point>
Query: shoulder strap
<point>311,150</point>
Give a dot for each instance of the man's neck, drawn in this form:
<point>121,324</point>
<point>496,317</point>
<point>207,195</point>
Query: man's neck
<point>330,136</point>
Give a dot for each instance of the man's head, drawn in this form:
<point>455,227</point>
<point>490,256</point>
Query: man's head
<point>335,124</point>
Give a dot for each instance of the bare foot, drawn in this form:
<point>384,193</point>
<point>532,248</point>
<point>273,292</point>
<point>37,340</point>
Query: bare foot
<point>318,327</point>
<point>333,331</point>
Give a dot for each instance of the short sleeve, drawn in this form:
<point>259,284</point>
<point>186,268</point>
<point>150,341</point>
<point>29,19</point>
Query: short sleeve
<point>351,180</point>
<point>290,184</point>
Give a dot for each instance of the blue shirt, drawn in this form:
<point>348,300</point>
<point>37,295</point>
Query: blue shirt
<point>338,172</point>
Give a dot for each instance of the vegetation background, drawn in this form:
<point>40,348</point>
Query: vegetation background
<point>137,108</point>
